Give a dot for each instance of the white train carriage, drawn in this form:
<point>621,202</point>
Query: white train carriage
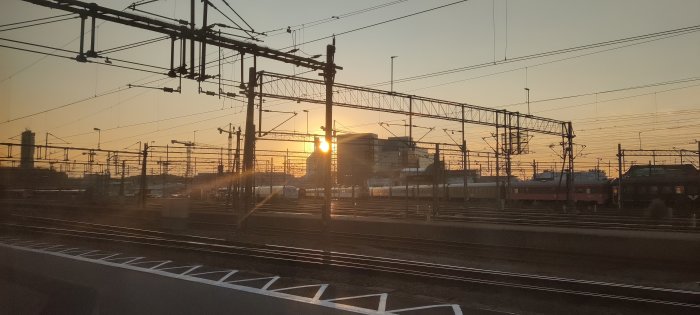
<point>285,192</point>
<point>444,191</point>
<point>336,192</point>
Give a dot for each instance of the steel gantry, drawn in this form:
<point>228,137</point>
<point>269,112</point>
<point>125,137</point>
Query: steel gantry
<point>510,124</point>
<point>204,35</point>
<point>183,30</point>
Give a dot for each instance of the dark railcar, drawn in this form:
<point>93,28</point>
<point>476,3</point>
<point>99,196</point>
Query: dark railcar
<point>675,185</point>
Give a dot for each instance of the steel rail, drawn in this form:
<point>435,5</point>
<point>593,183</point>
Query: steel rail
<point>637,295</point>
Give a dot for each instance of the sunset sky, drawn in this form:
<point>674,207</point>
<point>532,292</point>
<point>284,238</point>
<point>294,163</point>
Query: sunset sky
<point>644,91</point>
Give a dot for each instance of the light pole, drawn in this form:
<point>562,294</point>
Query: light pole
<point>392,73</point>
<point>99,135</point>
<point>527,90</point>
<point>640,140</point>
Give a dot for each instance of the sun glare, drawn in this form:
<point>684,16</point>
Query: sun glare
<point>323,146</point>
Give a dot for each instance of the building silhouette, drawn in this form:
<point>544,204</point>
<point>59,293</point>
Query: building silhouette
<point>27,152</point>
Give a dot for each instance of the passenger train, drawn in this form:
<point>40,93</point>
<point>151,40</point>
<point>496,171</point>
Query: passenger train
<point>284,192</point>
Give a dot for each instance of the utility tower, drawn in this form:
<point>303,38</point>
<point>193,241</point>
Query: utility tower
<point>230,133</point>
<point>233,175</point>
<point>188,163</point>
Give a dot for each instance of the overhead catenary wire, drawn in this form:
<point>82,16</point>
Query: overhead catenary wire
<point>383,22</point>
<point>238,15</point>
<point>39,23</point>
<point>71,41</point>
<point>132,45</point>
<point>365,27</point>
<point>335,17</point>
<point>36,20</point>
<point>636,87</point>
<point>644,38</point>
<point>231,20</point>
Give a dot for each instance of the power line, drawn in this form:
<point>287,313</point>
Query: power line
<point>382,22</point>
<point>36,45</point>
<point>616,99</point>
<point>231,20</point>
<point>649,38</point>
<point>71,41</point>
<point>37,24</point>
<point>335,17</point>
<point>636,87</point>
<point>62,106</point>
<point>350,31</point>
<point>35,20</point>
<point>132,45</point>
<point>238,15</point>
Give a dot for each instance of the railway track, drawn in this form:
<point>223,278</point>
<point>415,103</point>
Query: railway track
<point>633,296</point>
<point>456,213</point>
<point>482,215</point>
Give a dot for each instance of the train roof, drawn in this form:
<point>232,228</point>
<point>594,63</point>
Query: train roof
<point>587,177</point>
<point>661,170</point>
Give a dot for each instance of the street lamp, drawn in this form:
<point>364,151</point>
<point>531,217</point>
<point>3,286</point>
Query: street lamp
<point>392,73</point>
<point>99,135</point>
<point>640,140</point>
<point>527,90</point>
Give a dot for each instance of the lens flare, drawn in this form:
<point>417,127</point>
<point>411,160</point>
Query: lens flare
<point>323,146</point>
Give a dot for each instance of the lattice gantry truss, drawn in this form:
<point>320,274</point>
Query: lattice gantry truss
<point>287,87</point>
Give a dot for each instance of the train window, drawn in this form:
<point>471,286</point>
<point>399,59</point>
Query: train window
<point>666,190</point>
<point>653,190</point>
<point>588,191</point>
<point>679,190</point>
<point>515,190</point>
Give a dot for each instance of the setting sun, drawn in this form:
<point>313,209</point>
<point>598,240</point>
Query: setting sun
<point>323,146</point>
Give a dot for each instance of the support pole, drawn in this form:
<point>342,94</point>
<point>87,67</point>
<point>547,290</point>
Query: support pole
<point>192,29</point>
<point>619,176</point>
<point>229,163</point>
<point>436,172</point>
<point>167,164</point>
<point>570,177</point>
<point>203,40</point>
<point>498,167</point>
<point>410,125</point>
<point>509,152</point>
<point>143,175</point>
<point>237,170</point>
<point>249,148</point>
<point>329,78</point>
<point>183,56</point>
<point>286,169</point>
<point>260,111</point>
<point>172,72</point>
<point>91,53</point>
<point>411,146</point>
<point>121,183</point>
<point>465,188</point>
<point>81,54</point>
